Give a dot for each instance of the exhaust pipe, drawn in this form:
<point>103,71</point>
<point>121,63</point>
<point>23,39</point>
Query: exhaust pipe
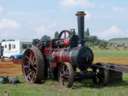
<point>80,19</point>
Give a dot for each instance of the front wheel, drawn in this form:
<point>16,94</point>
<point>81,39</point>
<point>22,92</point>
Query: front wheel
<point>66,75</point>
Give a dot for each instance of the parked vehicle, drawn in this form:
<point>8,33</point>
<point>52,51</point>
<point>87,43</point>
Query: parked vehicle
<point>14,48</point>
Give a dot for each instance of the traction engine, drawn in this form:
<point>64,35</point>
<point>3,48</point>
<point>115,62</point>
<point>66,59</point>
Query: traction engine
<point>65,58</point>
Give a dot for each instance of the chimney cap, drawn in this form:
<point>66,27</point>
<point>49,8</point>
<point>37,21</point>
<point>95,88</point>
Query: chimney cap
<point>81,13</point>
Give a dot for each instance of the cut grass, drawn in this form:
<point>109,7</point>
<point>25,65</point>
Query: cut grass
<point>52,88</point>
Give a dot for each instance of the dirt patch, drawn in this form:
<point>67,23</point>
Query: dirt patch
<point>114,60</point>
<point>8,68</point>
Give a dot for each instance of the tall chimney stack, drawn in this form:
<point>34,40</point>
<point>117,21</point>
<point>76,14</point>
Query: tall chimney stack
<point>80,19</point>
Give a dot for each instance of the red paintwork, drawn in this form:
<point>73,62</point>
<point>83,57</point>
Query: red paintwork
<point>66,42</point>
<point>57,55</point>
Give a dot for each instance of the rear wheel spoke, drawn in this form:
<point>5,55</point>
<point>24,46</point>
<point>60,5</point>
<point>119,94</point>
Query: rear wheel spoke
<point>32,59</point>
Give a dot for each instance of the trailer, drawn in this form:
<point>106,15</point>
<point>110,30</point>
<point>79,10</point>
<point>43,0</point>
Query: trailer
<point>14,48</point>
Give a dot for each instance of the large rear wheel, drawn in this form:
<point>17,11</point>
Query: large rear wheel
<point>33,65</point>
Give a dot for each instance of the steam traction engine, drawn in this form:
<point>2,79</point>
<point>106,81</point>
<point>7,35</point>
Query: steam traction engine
<point>65,58</point>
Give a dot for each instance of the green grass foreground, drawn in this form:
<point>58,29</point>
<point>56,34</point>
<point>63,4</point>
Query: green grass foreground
<point>52,88</point>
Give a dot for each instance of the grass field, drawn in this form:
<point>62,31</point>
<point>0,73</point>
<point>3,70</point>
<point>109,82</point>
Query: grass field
<point>111,56</point>
<point>52,88</point>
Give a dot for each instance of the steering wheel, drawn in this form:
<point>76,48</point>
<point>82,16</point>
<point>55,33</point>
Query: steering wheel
<point>65,34</point>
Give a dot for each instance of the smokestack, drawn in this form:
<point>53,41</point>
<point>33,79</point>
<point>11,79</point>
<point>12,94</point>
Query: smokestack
<point>80,19</point>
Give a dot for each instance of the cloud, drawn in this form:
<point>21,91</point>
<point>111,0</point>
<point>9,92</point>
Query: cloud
<point>112,32</point>
<point>72,3</point>
<point>1,9</point>
<point>9,29</point>
<point>40,29</point>
<point>114,29</point>
<point>8,24</point>
<point>45,29</point>
<point>118,9</point>
<point>89,16</point>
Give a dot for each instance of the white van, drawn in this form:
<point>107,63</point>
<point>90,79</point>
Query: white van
<point>14,47</point>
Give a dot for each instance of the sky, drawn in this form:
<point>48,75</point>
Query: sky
<point>28,19</point>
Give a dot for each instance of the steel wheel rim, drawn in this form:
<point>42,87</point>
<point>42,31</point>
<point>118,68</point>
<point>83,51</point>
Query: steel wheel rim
<point>64,75</point>
<point>29,66</point>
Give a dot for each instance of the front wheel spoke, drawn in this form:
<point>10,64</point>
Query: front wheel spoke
<point>65,81</point>
<point>64,75</point>
<point>62,79</point>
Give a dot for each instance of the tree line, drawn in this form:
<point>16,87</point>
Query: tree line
<point>90,40</point>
